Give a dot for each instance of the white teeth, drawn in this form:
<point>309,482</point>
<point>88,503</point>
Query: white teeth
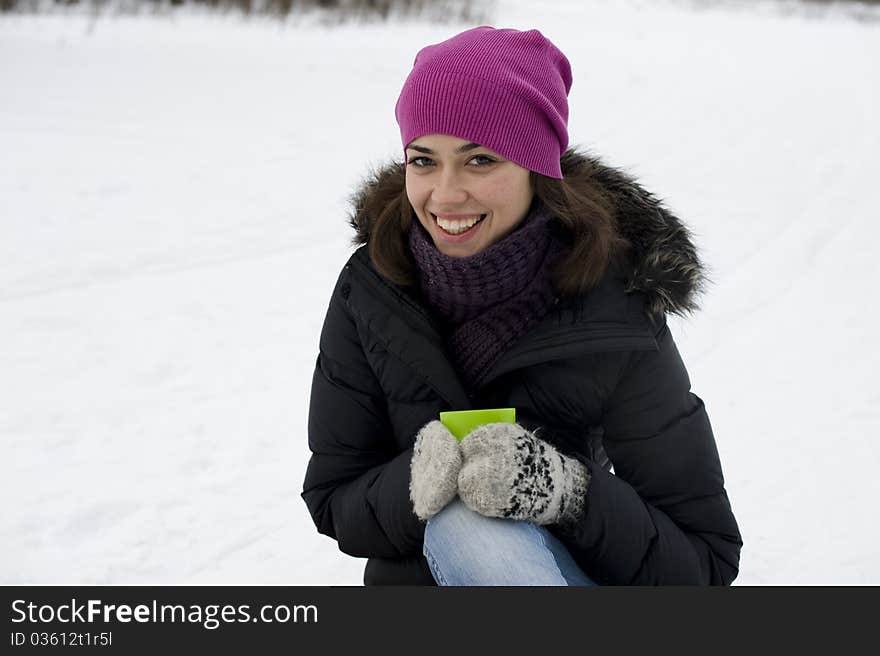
<point>458,226</point>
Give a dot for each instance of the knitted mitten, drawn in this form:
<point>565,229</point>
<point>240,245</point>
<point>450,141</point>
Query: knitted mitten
<point>434,469</point>
<point>510,473</point>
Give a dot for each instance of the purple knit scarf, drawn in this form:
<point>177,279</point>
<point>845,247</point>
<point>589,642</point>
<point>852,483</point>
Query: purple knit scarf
<point>488,300</point>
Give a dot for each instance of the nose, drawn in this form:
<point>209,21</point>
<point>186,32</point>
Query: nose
<point>449,190</point>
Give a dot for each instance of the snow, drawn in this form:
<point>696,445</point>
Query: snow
<point>173,216</point>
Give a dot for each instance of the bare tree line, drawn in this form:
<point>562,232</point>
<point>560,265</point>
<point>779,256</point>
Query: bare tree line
<point>332,10</point>
<point>465,10</point>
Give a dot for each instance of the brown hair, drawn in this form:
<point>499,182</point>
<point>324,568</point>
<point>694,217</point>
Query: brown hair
<point>582,207</point>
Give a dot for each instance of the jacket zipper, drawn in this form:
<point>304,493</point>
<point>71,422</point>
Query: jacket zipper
<point>615,341</point>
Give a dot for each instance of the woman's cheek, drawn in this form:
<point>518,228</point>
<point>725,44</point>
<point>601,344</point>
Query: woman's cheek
<point>415,195</point>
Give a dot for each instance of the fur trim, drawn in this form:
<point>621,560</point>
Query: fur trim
<point>664,263</point>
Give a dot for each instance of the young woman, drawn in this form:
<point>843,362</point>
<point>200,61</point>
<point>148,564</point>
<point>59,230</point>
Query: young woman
<point>498,268</point>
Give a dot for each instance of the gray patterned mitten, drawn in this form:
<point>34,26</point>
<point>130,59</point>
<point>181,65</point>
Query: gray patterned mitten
<point>434,469</point>
<point>508,472</point>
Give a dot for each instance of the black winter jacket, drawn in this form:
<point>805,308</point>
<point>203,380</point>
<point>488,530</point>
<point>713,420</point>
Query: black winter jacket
<point>600,375</point>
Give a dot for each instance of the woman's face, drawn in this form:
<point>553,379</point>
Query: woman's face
<point>452,183</point>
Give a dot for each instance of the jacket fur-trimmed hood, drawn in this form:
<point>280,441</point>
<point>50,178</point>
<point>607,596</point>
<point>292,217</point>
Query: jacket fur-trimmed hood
<point>663,262</point>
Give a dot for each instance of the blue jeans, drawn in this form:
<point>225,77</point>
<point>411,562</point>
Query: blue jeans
<point>466,548</point>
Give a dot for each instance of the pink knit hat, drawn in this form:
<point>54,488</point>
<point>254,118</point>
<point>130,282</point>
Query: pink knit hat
<point>504,89</point>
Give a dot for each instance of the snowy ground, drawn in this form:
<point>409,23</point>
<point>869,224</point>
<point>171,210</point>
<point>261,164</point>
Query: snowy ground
<point>173,217</point>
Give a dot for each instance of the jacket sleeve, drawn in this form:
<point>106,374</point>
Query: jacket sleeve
<point>663,517</point>
<point>356,484</point>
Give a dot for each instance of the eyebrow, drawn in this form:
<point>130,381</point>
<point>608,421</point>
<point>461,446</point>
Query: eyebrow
<point>462,149</point>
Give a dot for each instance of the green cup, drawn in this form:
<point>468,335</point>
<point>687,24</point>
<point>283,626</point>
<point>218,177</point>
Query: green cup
<point>462,422</point>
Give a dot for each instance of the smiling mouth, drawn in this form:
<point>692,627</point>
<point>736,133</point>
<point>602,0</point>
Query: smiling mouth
<point>458,227</point>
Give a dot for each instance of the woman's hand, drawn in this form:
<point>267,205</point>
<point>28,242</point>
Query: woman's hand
<point>510,473</point>
<point>434,470</point>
